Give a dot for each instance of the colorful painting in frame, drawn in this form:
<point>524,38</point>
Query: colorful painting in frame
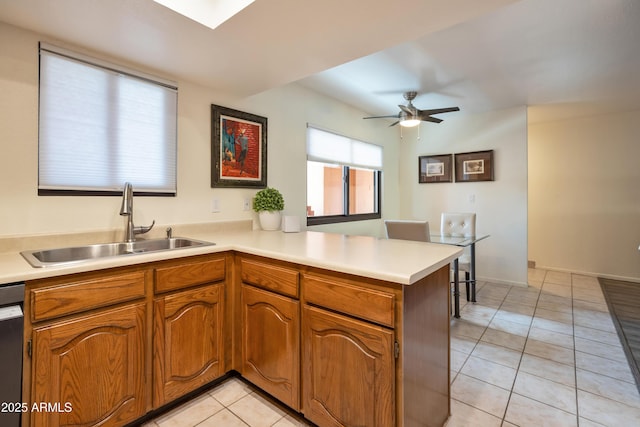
<point>238,148</point>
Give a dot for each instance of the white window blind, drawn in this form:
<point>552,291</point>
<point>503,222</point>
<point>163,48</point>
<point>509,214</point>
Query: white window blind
<point>328,147</point>
<point>101,125</point>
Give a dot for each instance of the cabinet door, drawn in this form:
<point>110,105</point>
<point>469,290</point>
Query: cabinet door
<point>187,341</point>
<point>271,343</point>
<point>348,371</point>
<point>90,370</point>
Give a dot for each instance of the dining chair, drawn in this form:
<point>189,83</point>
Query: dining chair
<point>457,224</point>
<point>408,230</point>
<point>412,230</point>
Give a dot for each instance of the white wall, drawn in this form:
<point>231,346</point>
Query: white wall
<point>584,195</point>
<point>288,110</point>
<point>500,205</point>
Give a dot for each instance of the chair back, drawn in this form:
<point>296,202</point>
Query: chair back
<point>458,224</point>
<point>408,230</point>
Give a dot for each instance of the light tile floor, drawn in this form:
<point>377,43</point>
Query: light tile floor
<point>230,404</point>
<point>546,355</point>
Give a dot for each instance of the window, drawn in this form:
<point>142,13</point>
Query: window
<point>343,178</point>
<point>101,125</point>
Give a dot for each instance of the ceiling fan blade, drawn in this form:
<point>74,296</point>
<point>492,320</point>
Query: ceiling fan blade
<point>410,112</point>
<point>430,119</point>
<point>406,109</point>
<point>438,111</point>
<point>381,117</point>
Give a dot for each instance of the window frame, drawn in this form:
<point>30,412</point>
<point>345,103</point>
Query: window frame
<point>109,67</point>
<point>346,216</point>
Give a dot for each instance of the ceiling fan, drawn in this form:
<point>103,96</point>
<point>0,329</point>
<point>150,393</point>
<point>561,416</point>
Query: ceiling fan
<point>410,116</point>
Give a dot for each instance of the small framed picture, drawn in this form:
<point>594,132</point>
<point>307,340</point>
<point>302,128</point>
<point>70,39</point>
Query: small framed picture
<point>476,166</point>
<point>436,168</point>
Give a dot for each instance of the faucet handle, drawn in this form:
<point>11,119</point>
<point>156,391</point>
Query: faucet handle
<point>142,229</point>
<point>169,232</point>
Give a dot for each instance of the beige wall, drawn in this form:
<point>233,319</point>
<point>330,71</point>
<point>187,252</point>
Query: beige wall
<point>584,166</point>
<point>288,110</point>
<point>584,195</point>
<point>500,205</point>
<point>587,165</point>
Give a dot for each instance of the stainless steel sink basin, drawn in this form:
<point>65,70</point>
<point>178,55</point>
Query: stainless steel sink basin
<point>63,256</point>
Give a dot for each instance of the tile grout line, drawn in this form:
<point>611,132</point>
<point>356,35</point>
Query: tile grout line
<point>575,359</point>
<point>513,385</point>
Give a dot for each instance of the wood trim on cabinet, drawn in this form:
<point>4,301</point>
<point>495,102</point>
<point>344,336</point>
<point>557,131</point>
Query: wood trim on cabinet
<point>335,294</point>
<point>271,277</point>
<point>424,351</point>
<point>82,295</point>
<point>183,275</point>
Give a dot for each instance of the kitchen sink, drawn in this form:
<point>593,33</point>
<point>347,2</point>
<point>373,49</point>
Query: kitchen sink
<point>76,254</point>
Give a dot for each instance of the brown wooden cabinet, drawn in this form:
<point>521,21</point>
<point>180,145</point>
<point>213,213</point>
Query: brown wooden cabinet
<point>348,357</point>
<point>348,371</point>
<point>270,332</point>
<point>89,369</point>
<point>271,343</point>
<point>371,352</point>
<point>188,318</point>
<point>108,346</point>
<point>341,349</point>
<point>187,341</point>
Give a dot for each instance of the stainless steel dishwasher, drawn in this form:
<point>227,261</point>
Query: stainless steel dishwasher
<point>11,329</point>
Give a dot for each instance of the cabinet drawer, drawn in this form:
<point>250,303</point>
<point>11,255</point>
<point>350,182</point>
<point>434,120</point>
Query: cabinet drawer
<point>271,277</point>
<point>82,295</point>
<point>189,274</point>
<point>365,303</point>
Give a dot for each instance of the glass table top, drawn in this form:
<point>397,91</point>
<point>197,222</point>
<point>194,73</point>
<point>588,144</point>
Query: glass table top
<point>457,240</point>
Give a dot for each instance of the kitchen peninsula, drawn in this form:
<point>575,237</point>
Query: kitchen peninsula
<point>347,330</point>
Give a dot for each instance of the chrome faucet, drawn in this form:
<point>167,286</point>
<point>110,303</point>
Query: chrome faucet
<point>127,210</point>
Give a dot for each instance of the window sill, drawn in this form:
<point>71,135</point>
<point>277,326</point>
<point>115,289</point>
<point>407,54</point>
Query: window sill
<point>334,219</point>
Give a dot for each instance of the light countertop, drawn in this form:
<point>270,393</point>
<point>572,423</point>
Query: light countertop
<point>397,261</point>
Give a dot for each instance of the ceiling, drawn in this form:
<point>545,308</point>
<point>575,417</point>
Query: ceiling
<point>564,58</point>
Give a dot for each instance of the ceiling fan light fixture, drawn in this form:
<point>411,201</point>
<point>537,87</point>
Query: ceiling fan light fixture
<point>409,122</point>
<point>410,116</point>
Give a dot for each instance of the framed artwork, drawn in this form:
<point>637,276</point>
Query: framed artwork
<point>435,168</point>
<point>238,148</point>
<point>476,166</point>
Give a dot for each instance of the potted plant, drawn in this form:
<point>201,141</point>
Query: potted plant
<point>269,204</point>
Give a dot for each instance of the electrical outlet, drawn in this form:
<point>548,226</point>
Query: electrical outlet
<point>472,198</point>
<point>246,205</point>
<point>215,205</point>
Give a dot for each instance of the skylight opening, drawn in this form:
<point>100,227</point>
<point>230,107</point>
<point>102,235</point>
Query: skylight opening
<point>211,13</point>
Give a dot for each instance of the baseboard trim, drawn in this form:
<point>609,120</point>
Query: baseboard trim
<point>501,282</point>
<point>591,274</point>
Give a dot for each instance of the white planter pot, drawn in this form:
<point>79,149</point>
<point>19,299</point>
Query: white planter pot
<point>270,220</point>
